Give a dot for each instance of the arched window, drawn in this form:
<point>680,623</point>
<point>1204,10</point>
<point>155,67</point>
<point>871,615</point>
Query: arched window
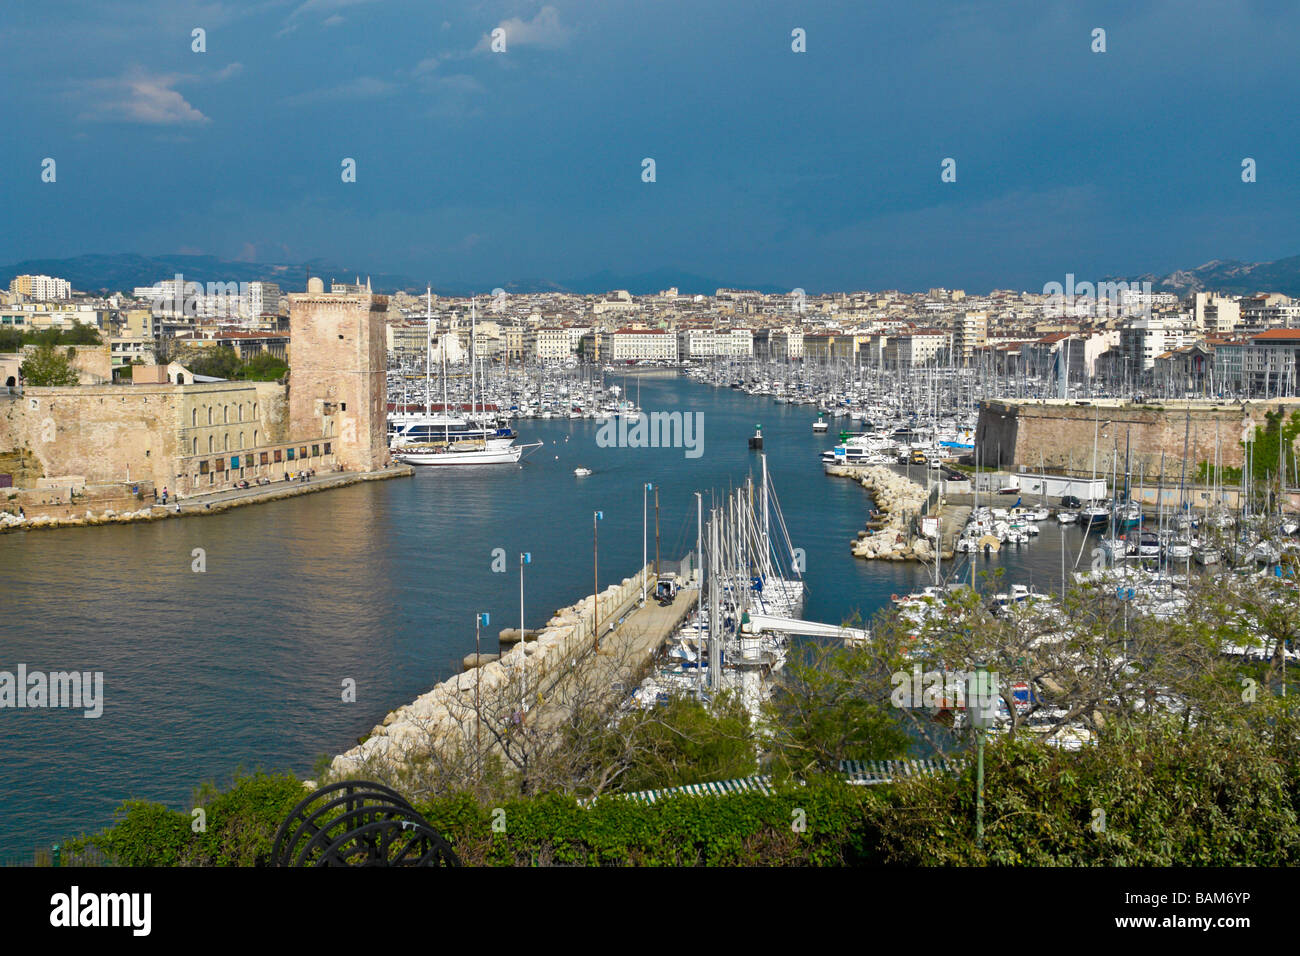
<point>209,414</point>
<point>241,439</point>
<point>225,442</point>
<point>225,414</point>
<point>194,416</point>
<point>196,447</point>
<point>254,437</point>
<point>241,411</point>
<point>209,444</point>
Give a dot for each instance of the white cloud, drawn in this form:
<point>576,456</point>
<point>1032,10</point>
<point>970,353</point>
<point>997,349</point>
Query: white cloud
<point>311,8</point>
<point>544,31</point>
<point>142,97</point>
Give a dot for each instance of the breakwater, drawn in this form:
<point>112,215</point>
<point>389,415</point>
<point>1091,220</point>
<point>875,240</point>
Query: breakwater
<point>468,715</point>
<point>893,536</point>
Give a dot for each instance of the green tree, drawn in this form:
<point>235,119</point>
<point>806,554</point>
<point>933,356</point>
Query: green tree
<point>80,334</point>
<point>47,365</point>
<point>219,362</point>
<point>263,367</point>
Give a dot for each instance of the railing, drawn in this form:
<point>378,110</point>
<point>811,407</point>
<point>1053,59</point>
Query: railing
<point>56,856</point>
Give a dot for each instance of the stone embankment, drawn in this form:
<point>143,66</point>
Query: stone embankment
<point>99,510</point>
<point>891,537</point>
<point>465,713</point>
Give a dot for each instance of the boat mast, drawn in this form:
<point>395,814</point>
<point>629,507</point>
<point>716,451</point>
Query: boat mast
<point>473,351</point>
<point>428,351</point>
<point>446,420</point>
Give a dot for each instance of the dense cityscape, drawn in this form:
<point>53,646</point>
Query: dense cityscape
<point>531,434</point>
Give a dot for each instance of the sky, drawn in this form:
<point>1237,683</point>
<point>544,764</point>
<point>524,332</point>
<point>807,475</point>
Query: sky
<point>818,169</point>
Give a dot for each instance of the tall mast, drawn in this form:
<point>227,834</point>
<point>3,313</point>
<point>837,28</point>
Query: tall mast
<point>473,350</point>
<point>699,564</point>
<point>446,421</point>
<point>428,351</point>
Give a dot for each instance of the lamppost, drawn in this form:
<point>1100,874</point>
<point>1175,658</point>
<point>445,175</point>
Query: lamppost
<point>981,705</point>
<point>644,535</point>
<point>480,621</point>
<point>595,578</point>
<point>525,557</point>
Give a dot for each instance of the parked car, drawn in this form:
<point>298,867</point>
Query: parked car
<point>1071,501</point>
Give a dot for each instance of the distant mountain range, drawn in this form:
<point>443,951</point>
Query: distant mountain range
<point>125,271</point>
<point>1230,277</point>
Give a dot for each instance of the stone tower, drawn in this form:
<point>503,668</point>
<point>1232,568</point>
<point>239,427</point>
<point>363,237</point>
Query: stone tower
<point>337,363</point>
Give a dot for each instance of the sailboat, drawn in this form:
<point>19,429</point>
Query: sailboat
<point>448,439</point>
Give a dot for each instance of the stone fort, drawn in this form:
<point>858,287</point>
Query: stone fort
<point>1058,435</point>
<point>194,437</point>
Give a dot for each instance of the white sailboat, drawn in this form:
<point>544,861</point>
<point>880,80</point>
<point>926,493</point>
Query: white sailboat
<point>448,439</point>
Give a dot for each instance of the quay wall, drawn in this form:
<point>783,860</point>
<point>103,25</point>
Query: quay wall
<point>56,506</point>
<point>445,724</point>
<point>1058,436</point>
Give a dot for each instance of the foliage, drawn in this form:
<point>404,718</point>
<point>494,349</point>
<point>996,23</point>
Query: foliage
<point>832,704</point>
<point>218,362</point>
<point>48,365</point>
<point>238,830</point>
<point>1153,794</point>
<point>263,367</point>
<point>679,743</point>
<point>12,340</point>
<point>1276,433</point>
<point>224,362</point>
<point>1149,793</point>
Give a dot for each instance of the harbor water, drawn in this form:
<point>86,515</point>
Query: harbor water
<point>243,664</point>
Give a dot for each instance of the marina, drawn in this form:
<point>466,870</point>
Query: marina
<point>400,569</point>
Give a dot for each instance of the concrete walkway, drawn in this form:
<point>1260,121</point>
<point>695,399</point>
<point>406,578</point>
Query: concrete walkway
<point>255,494</point>
<point>606,676</point>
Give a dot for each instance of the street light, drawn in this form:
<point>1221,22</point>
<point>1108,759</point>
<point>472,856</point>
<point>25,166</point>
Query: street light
<point>480,621</point>
<point>595,578</point>
<point>644,534</point>
<point>525,557</point>
<point>981,707</point>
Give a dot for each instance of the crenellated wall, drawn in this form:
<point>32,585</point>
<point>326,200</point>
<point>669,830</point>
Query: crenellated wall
<point>1058,436</point>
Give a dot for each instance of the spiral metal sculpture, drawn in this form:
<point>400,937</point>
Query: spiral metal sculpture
<point>358,823</point>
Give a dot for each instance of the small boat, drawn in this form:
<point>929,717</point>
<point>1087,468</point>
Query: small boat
<point>1067,517</point>
<point>1094,514</point>
<point>582,472</point>
<point>821,425</point>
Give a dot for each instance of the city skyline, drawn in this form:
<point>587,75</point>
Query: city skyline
<point>480,168</point>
